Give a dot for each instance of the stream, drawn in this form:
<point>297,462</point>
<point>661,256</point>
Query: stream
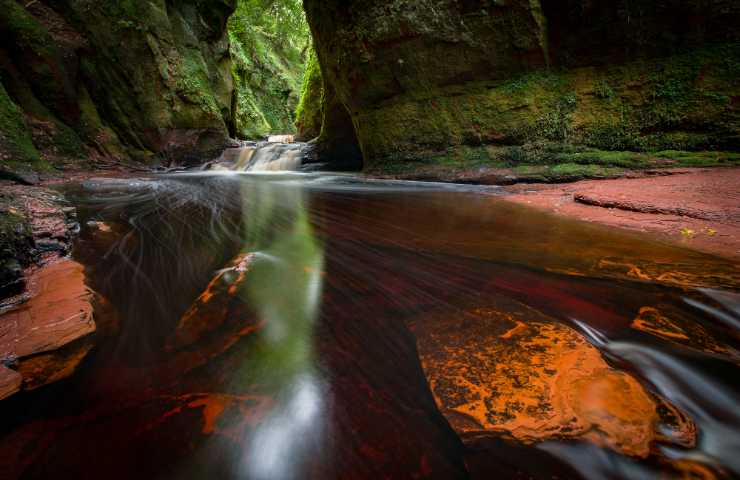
<point>305,325</point>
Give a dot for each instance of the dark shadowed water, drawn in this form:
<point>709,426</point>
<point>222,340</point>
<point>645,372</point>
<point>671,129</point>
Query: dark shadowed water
<point>306,326</point>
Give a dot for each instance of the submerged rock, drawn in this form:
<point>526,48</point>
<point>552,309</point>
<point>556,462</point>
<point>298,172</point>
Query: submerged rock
<point>210,309</point>
<point>511,371</point>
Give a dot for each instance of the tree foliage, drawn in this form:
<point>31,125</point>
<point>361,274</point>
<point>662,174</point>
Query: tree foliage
<point>270,41</point>
<point>283,20</point>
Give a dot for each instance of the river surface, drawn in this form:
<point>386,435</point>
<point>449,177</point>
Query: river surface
<point>315,326</point>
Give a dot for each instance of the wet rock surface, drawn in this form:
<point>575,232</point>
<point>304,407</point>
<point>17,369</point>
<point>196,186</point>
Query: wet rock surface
<point>516,373</point>
<point>58,312</point>
<point>46,319</point>
<point>430,354</point>
<point>10,382</point>
<point>209,311</point>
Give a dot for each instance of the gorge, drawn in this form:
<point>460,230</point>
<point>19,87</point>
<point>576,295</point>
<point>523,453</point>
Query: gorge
<point>350,239</point>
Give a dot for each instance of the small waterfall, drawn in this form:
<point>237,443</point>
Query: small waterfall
<point>262,157</point>
<point>275,157</point>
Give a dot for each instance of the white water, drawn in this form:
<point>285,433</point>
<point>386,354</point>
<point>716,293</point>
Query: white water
<point>263,157</point>
<point>275,157</point>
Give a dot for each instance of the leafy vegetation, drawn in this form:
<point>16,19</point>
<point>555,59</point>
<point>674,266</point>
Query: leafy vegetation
<point>270,44</point>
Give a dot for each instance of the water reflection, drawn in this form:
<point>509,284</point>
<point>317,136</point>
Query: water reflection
<point>280,444</point>
<point>284,288</point>
<point>306,326</point>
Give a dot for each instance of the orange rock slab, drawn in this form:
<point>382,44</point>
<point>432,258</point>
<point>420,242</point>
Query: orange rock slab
<point>47,334</point>
<point>59,312</point>
<point>511,371</point>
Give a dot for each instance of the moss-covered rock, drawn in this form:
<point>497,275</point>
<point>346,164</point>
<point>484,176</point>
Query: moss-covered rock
<point>421,77</point>
<point>133,78</point>
<point>16,245</point>
<point>169,90</point>
<point>17,152</point>
<point>308,114</point>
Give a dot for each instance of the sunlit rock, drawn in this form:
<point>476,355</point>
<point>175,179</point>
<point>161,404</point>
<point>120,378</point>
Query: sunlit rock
<point>514,372</point>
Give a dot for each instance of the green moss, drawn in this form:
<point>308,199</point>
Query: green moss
<point>194,87</point>
<point>542,162</point>
<point>16,243</point>
<point>27,32</point>
<point>308,113</point>
<point>156,72</point>
<point>683,102</point>
<point>700,159</point>
<point>17,151</point>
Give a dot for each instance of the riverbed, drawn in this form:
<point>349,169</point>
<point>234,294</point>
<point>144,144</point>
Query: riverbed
<point>324,326</point>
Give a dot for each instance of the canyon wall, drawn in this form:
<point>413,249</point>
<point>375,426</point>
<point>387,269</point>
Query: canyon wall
<point>522,79</point>
<point>148,80</point>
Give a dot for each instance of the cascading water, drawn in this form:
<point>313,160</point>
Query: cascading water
<point>275,157</point>
<point>262,157</point>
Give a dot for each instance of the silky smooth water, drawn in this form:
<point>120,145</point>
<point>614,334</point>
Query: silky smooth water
<point>317,326</point>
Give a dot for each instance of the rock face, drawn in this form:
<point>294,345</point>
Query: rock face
<point>34,228</point>
<point>308,114</point>
<point>114,78</point>
<point>415,78</point>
